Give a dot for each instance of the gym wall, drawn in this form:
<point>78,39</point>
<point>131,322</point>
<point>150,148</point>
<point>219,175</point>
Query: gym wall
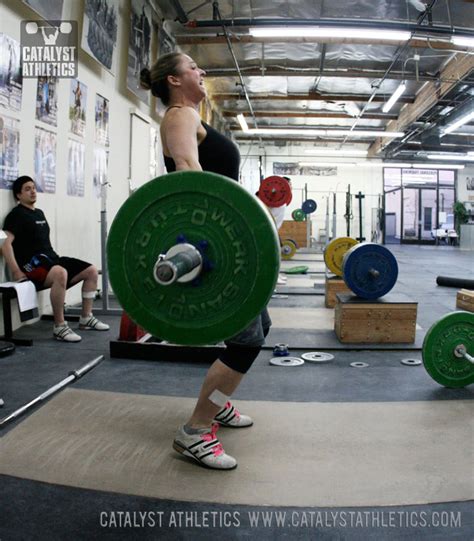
<point>74,221</point>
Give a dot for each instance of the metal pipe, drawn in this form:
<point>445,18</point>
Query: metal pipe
<point>389,69</point>
<point>215,6</point>
<point>335,23</point>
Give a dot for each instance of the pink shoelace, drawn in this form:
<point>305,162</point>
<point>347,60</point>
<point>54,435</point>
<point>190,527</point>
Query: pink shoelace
<point>236,411</point>
<point>217,449</point>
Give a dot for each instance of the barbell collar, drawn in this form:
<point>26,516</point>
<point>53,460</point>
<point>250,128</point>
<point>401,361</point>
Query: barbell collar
<point>182,263</point>
<point>461,352</point>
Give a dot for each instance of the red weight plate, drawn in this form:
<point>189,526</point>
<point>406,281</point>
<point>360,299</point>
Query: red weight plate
<point>274,191</point>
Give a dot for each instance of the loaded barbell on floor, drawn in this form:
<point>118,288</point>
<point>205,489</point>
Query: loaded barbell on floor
<point>448,350</point>
<point>193,257</point>
<point>369,270</point>
<point>288,248</point>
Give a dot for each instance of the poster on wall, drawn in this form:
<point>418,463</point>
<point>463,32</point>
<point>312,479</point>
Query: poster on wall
<point>99,31</point>
<point>139,47</point>
<point>48,9</point>
<point>9,150</point>
<point>101,120</point>
<point>47,100</point>
<point>167,43</point>
<point>78,107</point>
<point>470,183</point>
<point>294,168</point>
<point>75,173</point>
<point>45,160</point>
<point>11,80</point>
<point>99,178</point>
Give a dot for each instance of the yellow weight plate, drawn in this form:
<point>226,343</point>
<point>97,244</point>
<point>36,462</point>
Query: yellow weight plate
<point>288,249</point>
<point>335,251</point>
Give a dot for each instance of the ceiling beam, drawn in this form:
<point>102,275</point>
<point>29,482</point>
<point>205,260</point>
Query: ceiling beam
<point>418,43</point>
<point>306,114</point>
<point>430,94</point>
<point>314,96</point>
<point>299,71</point>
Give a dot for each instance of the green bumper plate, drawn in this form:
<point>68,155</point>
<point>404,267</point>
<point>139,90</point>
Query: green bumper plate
<point>438,350</point>
<point>242,249</point>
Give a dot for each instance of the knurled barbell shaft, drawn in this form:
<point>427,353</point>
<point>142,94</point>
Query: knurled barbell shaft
<point>170,270</point>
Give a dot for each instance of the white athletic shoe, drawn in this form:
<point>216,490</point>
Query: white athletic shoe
<point>91,323</point>
<point>64,333</point>
<point>204,448</point>
<point>231,416</point>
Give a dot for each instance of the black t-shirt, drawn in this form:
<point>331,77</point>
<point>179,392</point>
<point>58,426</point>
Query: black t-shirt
<point>217,154</point>
<point>31,232</point>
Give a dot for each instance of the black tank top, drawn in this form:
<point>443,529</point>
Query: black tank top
<point>217,154</point>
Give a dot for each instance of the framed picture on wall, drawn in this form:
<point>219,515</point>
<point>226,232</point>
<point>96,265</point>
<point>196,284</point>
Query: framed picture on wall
<point>99,31</point>
<point>139,47</point>
<point>47,100</point>
<point>45,160</point>
<point>11,80</point>
<point>101,162</point>
<point>77,107</point>
<point>9,150</point>
<point>48,9</point>
<point>470,183</point>
<point>75,173</point>
<point>101,120</point>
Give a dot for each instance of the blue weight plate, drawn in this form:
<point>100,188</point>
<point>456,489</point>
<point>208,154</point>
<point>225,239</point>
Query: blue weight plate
<point>309,206</point>
<point>370,270</point>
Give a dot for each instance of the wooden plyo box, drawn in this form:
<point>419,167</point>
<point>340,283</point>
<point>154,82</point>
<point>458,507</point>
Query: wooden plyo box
<point>334,285</point>
<point>295,231</point>
<point>465,300</point>
<point>388,320</point>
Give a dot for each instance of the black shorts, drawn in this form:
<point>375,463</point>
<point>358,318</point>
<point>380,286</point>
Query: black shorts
<point>72,265</point>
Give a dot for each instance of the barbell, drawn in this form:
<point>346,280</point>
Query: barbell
<point>193,257</point>
<point>369,270</point>
<point>448,350</point>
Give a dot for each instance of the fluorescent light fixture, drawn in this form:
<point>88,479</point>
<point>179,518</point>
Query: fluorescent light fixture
<point>464,158</point>
<point>423,165</point>
<point>462,41</point>
<point>243,122</point>
<point>461,121</point>
<point>401,165</point>
<point>398,92</point>
<point>326,164</point>
<point>328,32</point>
<point>335,152</point>
<point>310,132</point>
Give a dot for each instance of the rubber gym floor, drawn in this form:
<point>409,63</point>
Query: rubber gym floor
<point>336,452</point>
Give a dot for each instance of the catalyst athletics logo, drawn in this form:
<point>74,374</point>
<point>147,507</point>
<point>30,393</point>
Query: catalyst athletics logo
<point>49,49</point>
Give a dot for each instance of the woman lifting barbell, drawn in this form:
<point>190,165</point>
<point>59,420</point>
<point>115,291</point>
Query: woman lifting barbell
<point>190,144</point>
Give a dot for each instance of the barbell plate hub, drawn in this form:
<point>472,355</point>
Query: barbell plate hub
<point>369,270</point>
<point>181,263</point>
<point>439,347</point>
<point>242,244</point>
<point>334,253</point>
